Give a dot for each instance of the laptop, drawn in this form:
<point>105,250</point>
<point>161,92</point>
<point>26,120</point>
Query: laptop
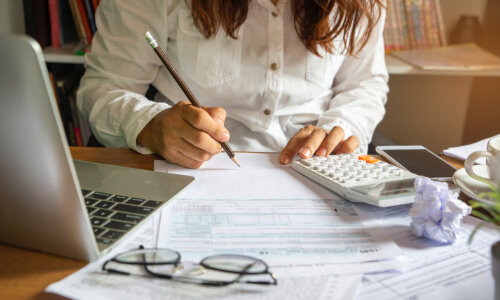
<point>48,201</point>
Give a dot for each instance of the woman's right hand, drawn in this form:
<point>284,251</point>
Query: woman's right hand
<point>186,135</point>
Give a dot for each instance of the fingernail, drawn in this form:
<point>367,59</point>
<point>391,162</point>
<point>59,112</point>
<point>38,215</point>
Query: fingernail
<point>321,152</point>
<point>305,153</point>
<point>219,121</point>
<point>284,160</point>
<point>224,136</point>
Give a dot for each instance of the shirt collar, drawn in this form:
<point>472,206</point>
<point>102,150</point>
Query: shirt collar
<point>268,4</point>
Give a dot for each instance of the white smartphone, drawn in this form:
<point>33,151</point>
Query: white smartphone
<point>418,160</point>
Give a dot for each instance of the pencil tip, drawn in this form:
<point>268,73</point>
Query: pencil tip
<point>236,161</point>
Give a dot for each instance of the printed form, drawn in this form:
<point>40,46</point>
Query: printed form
<point>271,212</point>
<point>278,208</point>
<point>92,283</point>
<point>436,271</point>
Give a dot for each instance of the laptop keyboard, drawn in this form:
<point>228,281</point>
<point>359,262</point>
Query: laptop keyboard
<point>112,216</point>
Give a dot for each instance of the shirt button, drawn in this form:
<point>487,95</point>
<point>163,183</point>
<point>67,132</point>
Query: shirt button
<point>274,66</point>
<point>267,112</point>
<point>275,14</point>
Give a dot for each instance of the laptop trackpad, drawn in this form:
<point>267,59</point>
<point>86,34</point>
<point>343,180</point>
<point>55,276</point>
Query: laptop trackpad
<point>128,181</point>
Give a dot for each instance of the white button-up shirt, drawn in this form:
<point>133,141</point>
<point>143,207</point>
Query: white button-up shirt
<point>267,81</point>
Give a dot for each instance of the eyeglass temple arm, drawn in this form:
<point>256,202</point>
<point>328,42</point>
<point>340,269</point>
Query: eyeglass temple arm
<point>113,270</point>
<point>274,282</point>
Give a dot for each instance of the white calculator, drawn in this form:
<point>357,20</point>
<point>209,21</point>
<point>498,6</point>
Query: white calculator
<point>360,178</point>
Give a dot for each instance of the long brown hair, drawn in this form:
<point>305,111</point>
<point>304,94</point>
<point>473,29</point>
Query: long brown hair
<point>317,22</point>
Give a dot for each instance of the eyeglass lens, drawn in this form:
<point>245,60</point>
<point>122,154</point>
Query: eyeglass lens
<point>148,256</point>
<point>235,264</point>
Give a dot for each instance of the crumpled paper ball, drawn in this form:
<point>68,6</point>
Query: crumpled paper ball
<point>437,211</point>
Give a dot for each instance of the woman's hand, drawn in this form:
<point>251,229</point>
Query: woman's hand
<point>186,135</point>
<point>311,139</point>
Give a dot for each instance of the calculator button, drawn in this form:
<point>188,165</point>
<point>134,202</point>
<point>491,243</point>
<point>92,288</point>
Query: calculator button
<point>306,162</point>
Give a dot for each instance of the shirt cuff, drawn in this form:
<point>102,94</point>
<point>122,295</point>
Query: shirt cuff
<point>139,126</point>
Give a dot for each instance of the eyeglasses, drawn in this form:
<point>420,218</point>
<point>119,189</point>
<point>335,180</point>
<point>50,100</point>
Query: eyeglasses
<point>216,270</point>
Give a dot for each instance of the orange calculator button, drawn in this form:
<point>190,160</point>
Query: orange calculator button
<point>372,160</point>
<point>364,157</point>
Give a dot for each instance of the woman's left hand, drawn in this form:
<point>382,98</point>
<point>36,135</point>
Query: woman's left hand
<point>311,139</point>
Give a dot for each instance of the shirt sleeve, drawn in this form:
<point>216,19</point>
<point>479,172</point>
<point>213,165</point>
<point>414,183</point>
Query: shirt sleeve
<point>360,91</point>
<point>119,69</point>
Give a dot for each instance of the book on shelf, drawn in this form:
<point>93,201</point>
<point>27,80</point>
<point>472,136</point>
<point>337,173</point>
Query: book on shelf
<point>83,18</point>
<point>55,26</point>
<point>58,23</point>
<point>36,21</point>
<point>90,12</point>
<point>462,57</point>
<point>69,34</point>
<point>413,24</point>
<point>77,18</point>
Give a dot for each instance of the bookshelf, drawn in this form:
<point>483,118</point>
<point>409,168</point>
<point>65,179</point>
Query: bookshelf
<point>62,55</point>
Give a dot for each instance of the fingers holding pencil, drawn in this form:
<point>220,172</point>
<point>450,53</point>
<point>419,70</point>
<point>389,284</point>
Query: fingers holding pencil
<point>184,135</point>
<point>183,86</point>
<point>205,122</point>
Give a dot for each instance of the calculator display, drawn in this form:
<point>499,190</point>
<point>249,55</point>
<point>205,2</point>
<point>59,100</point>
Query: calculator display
<point>387,189</point>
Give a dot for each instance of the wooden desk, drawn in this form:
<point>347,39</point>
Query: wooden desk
<point>24,274</point>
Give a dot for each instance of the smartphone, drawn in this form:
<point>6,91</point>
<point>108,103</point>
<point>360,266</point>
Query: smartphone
<point>418,160</point>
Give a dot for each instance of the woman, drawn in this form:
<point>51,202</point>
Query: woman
<point>297,76</point>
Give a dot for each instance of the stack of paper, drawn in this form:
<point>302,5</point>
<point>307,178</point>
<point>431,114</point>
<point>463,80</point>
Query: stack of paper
<point>319,245</point>
<point>462,152</point>
<point>457,57</point>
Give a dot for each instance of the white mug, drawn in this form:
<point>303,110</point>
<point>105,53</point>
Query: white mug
<point>492,161</point>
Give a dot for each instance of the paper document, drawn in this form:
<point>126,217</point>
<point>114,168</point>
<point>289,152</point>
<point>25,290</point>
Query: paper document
<point>462,152</point>
<point>92,283</point>
<point>277,231</point>
<point>289,209</point>
<point>271,212</point>
<point>436,271</point>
